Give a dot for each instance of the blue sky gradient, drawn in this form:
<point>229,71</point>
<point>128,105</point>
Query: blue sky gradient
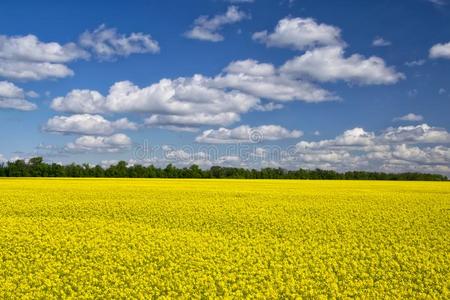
<point>406,30</point>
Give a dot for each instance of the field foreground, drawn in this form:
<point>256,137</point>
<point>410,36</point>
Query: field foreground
<point>117,238</point>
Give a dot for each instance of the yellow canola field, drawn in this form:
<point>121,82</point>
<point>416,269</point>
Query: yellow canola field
<point>148,238</point>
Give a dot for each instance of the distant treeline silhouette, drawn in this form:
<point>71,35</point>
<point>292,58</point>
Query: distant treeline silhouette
<point>36,167</point>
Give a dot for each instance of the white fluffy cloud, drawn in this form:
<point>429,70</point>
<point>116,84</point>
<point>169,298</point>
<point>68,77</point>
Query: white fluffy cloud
<point>80,101</point>
<point>27,58</point>
<point>325,59</point>
<point>183,158</point>
<point>180,102</point>
<point>250,67</point>
<point>182,96</point>
<point>193,120</point>
<point>411,117</point>
<point>187,103</point>
<point>428,155</point>
<point>206,28</point>
<point>350,138</point>
<point>107,43</point>
<point>440,51</point>
<point>422,133</point>
<point>22,70</point>
<point>114,143</point>
<point>17,104</point>
<point>29,48</point>
<point>265,81</point>
<point>247,134</point>
<point>300,34</point>
<point>10,90</point>
<point>395,150</point>
<point>329,64</point>
<point>184,103</point>
<point>354,149</point>
<point>323,159</point>
<point>87,124</point>
<point>13,97</point>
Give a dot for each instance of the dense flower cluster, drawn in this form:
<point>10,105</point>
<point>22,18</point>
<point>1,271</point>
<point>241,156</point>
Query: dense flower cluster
<point>134,238</point>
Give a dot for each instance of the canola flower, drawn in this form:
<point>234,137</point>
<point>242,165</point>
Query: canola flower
<point>192,239</point>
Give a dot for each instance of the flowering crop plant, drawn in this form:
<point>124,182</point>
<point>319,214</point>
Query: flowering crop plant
<point>148,238</point>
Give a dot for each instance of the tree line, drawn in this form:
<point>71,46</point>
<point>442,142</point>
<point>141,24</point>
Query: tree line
<point>36,167</point>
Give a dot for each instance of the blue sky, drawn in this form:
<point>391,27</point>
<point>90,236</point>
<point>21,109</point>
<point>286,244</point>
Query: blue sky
<point>331,84</point>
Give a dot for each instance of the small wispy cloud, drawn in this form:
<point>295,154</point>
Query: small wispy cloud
<point>438,2</point>
<point>409,117</point>
<point>380,42</point>
<point>415,63</point>
<point>206,28</point>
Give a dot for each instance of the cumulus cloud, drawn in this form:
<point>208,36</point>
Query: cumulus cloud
<point>329,64</point>
<point>107,43</point>
<point>354,149</point>
<point>182,96</point>
<point>22,70</point>
<point>422,133</point>
<point>380,42</point>
<point>29,48</point>
<point>188,157</point>
<point>300,34</point>
<point>193,120</point>
<point>87,143</point>
<point>265,81</point>
<point>250,67</point>
<point>17,104</point>
<point>10,90</point>
<point>87,124</point>
<point>186,103</point>
<point>325,159</point>
<point>411,117</point>
<point>440,51</point>
<point>247,134</point>
<point>279,88</point>
<point>183,101</point>
<point>80,101</point>
<point>428,155</point>
<point>401,149</point>
<point>206,28</point>
<point>27,58</point>
<point>324,59</point>
<point>352,137</point>
<point>13,97</point>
